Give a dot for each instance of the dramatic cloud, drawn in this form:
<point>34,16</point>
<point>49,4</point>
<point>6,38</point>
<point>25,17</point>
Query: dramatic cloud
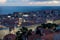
<point>2,1</point>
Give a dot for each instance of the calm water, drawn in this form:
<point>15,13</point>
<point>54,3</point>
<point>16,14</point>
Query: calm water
<point>11,9</point>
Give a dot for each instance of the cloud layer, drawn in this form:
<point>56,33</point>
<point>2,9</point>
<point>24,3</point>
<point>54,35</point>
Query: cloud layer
<point>49,2</point>
<point>41,0</point>
<point>3,1</point>
<point>45,0</point>
<point>29,2</point>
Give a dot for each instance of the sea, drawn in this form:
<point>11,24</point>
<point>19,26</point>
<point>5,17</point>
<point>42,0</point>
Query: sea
<point>11,9</point>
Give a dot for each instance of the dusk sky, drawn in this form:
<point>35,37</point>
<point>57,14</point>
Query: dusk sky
<point>29,2</point>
